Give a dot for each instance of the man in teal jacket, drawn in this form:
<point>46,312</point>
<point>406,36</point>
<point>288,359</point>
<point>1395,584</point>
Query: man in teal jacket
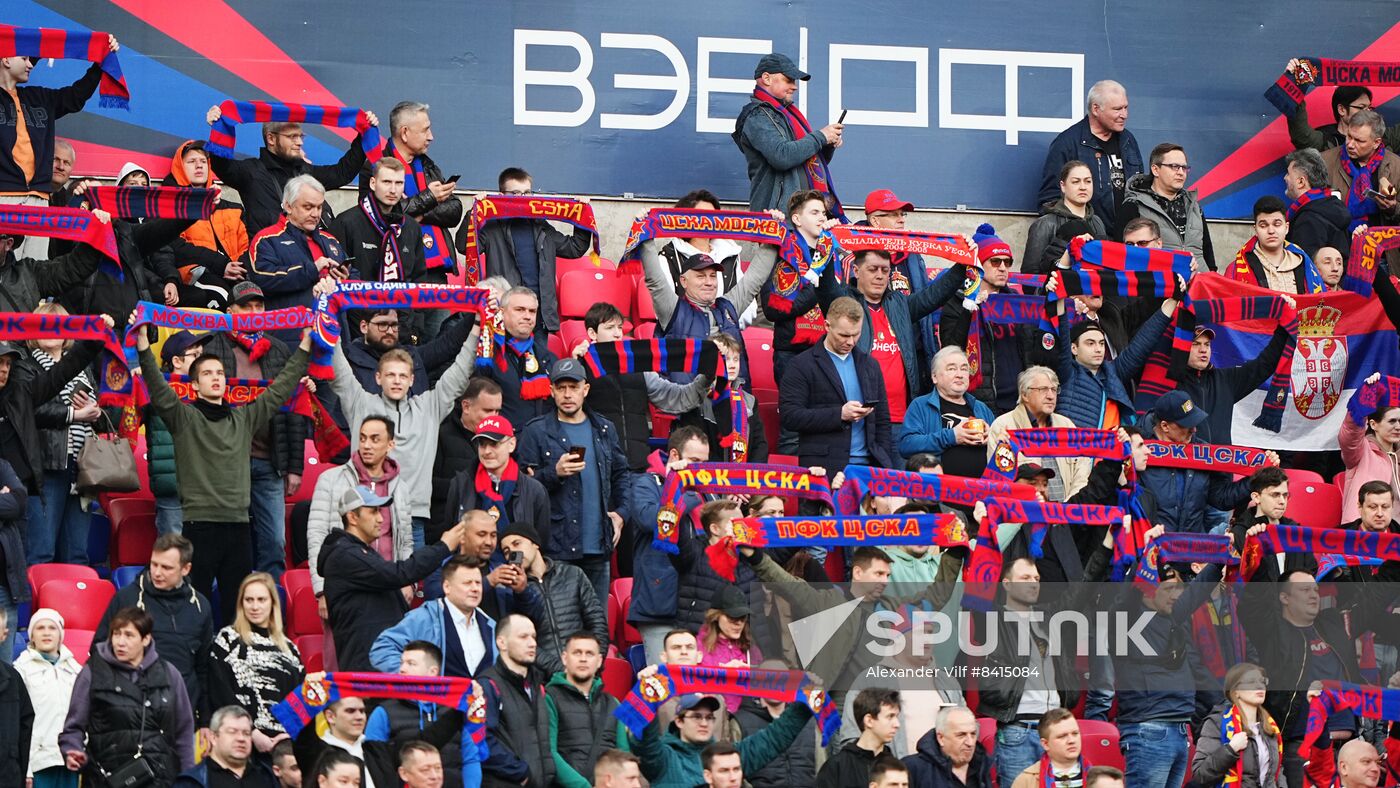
<point>672,759</point>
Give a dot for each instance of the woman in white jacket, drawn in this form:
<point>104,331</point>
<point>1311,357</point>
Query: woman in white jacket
<point>49,670</point>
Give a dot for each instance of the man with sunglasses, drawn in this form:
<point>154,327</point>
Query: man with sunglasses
<point>1162,196</point>
<point>27,127</point>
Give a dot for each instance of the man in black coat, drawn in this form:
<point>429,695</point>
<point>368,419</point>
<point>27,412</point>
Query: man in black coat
<point>570,603</point>
<point>1316,216</point>
<point>517,720</point>
<point>949,756</point>
<point>366,229</point>
<point>259,181</point>
<point>16,710</point>
<point>455,449</point>
<point>366,594</point>
<point>494,483</point>
<point>25,280</point>
<point>833,397</point>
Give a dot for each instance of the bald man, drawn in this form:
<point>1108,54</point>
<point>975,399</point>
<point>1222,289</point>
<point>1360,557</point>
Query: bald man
<point>1330,265</point>
<point>1358,765</point>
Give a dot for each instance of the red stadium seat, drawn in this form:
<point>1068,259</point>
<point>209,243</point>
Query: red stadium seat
<point>643,308</point>
<point>571,333</point>
<point>627,634</point>
<point>39,574</point>
<point>614,611</point>
<point>80,602</point>
<point>132,539</point>
<point>313,652</point>
<point>1100,743</point>
<point>79,641</point>
<point>768,411</point>
<point>618,678</point>
<point>305,619</point>
<point>646,330</point>
<point>564,266</point>
<point>622,588</point>
<point>782,459</point>
<point>310,472</point>
<point>1340,480</point>
<point>987,734</point>
<point>556,345</point>
<point>1300,476</point>
<point>579,290</point>
<point>758,343</point>
<point>1315,504</point>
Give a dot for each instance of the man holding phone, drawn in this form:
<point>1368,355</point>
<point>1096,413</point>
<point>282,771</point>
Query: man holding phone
<point>577,457</point>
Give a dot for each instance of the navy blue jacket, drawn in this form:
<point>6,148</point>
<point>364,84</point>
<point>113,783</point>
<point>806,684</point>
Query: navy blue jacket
<point>257,773</point>
<point>655,582</point>
<point>1078,142</point>
<point>1083,394</point>
<point>542,443</point>
<point>810,397</point>
<point>1182,494</point>
<point>1171,668</point>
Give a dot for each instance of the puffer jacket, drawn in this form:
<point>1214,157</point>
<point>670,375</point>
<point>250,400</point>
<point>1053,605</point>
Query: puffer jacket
<point>697,582</point>
<point>325,515</point>
<point>287,432</point>
<point>570,605</point>
<point>23,281</point>
<point>795,765</point>
<point>1182,494</point>
<point>50,690</point>
<point>145,263</point>
<point>160,457</point>
<point>1083,394</point>
<point>1043,242</point>
<point>52,418</point>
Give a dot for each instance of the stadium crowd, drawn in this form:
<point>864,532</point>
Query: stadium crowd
<point>499,521</point>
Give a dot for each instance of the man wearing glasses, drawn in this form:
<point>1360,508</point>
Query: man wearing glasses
<point>908,272</point>
<point>229,762</point>
<point>1161,195</point>
<point>259,181</point>
<point>1040,393</point>
<point>1347,100</point>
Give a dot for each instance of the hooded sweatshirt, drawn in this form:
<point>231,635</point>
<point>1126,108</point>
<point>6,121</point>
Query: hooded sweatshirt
<point>224,231</point>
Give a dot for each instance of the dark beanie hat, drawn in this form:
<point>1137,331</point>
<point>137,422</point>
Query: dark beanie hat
<point>521,529</point>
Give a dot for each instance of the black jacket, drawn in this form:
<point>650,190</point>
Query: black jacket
<point>430,359</point>
<point>849,767</point>
<point>570,605</point>
<point>954,326</point>
<point>1217,390</point>
<point>24,281</point>
<point>364,244</point>
<point>16,728</point>
<point>529,503</point>
<point>27,388</point>
<point>454,453</point>
<point>381,757</point>
<point>797,765</point>
<point>362,592</point>
<point>497,246</point>
<point>287,432</point>
<point>1320,223</point>
<point>697,582</point>
<point>930,768</point>
<point>422,206</point>
<point>517,729</point>
<point>257,775</point>
<point>140,247</point>
<point>259,181</point>
<point>810,397</point>
<point>13,525</point>
<point>623,400</point>
<point>42,108</point>
<point>184,632</point>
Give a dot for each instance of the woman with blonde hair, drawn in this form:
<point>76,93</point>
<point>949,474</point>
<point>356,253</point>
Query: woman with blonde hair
<point>1240,744</point>
<point>58,526</point>
<point>254,664</point>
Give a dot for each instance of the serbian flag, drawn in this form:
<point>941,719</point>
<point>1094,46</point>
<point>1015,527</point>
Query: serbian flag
<point>1342,338</point>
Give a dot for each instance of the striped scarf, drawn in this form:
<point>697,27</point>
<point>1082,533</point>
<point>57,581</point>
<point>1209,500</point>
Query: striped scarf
<point>1365,255</point>
<point>783,288</point>
<point>1305,198</point>
<point>78,431</point>
<point>984,568</point>
<point>818,175</point>
<point>1363,179</point>
<point>437,248</point>
<point>46,42</point>
<point>1224,311</point>
<point>152,202</point>
<point>232,113</point>
<point>391,264</point>
<point>1240,270</point>
<point>1232,722</point>
<point>721,478</point>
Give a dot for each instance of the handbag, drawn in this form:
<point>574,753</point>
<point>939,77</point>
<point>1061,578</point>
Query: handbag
<point>107,465</point>
<point>137,772</point>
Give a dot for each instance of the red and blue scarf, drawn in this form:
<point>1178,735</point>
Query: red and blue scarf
<point>1363,179</point>
<point>502,208</point>
<point>328,438</point>
<point>325,330</point>
<point>818,174</point>
<point>231,113</point>
<point>722,478</point>
<point>1305,198</point>
<point>945,246</point>
<point>984,568</point>
<point>47,42</point>
<point>152,202</point>
<point>391,265</point>
<point>1300,539</point>
<point>1054,442</point>
<point>437,248</point>
<point>1231,723</point>
<point>1373,703</point>
<point>301,706</point>
<point>116,371</point>
<point>1071,282</point>
<point>493,500</point>
<point>1116,256</point>
<point>795,259</point>
<point>861,481</point>
<point>534,384</point>
<point>1000,309</point>
<point>1047,772</point>
<point>754,227</point>
<point>1240,271</point>
<point>1220,458</point>
<point>639,708</point>
<point>1287,92</point>
<point>68,224</point>
<point>1371,397</point>
<point>1365,254</point>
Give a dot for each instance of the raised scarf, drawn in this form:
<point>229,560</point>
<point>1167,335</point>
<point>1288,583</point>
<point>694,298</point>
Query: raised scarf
<point>1223,312</point>
<point>795,259</point>
<point>722,478</point>
<point>437,247</point>
<point>984,568</point>
<point>1366,251</point>
<point>248,323</point>
<point>1241,460</point>
<point>68,224</point>
<point>1287,92</point>
<point>1054,442</point>
<point>1300,539</point>
<point>231,113</point>
<point>255,344</point>
<point>534,378</point>
<point>1233,722</point>
<point>1071,282</point>
<point>301,706</point>
<point>48,42</point>
<point>639,708</point>
<point>945,246</point>
<point>492,500</point>
<point>325,330</point>
<point>815,168</point>
<point>1305,198</point>
<point>501,207</point>
<point>861,481</point>
<point>328,438</point>
<point>1116,256</point>
<point>1004,309</point>
<point>1047,772</point>
<point>1206,624</point>
<point>1240,271</point>
<point>1371,397</point>
<point>152,202</point>
<point>1363,179</point>
<point>391,265</point>
<point>754,227</point>
<point>116,371</point>
<point>1373,703</point>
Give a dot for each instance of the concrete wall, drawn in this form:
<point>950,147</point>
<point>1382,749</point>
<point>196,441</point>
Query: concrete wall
<point>615,219</point>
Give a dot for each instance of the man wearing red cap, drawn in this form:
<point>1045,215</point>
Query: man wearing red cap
<point>908,273</point>
<point>494,483</point>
